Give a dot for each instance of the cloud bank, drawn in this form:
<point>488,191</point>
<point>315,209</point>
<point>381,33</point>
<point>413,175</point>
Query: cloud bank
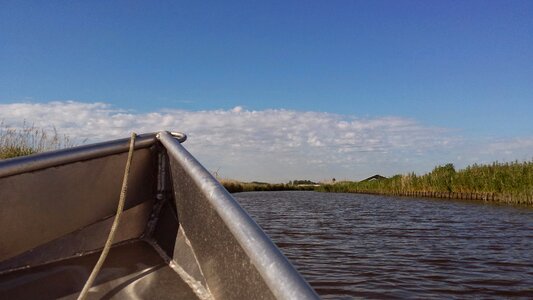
<point>276,144</point>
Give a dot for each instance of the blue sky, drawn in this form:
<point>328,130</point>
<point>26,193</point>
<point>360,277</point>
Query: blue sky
<point>461,67</point>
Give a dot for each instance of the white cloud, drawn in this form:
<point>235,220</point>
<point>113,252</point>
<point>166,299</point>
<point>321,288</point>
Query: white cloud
<point>506,149</point>
<point>273,145</point>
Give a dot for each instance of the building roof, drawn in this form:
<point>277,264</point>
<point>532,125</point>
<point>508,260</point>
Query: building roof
<point>375,177</point>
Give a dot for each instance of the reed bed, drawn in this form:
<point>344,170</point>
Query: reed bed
<point>28,139</point>
<point>510,182</point>
<point>234,186</point>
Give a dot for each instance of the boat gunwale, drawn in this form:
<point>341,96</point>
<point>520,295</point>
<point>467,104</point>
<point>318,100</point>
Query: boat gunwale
<point>40,161</point>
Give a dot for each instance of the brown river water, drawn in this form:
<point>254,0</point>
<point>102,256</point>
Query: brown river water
<point>364,246</point>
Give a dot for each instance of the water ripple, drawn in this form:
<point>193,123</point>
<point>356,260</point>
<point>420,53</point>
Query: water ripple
<point>361,246</point>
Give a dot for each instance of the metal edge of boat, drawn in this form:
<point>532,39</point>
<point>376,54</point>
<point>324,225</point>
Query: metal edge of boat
<point>175,205</point>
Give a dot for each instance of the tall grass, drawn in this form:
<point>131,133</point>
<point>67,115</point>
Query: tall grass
<point>512,181</point>
<point>234,186</point>
<point>28,139</point>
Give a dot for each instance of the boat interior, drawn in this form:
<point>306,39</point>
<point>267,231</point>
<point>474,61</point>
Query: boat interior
<point>181,235</point>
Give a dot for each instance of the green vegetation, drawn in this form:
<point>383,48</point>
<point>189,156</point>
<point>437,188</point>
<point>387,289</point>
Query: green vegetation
<point>234,186</point>
<point>501,182</point>
<point>29,140</point>
<point>504,182</point>
<point>302,182</point>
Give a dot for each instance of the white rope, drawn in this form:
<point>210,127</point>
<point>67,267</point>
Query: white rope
<point>109,242</point>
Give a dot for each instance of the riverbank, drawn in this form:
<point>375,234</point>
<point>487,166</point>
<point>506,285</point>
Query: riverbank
<point>234,186</point>
<point>499,182</point>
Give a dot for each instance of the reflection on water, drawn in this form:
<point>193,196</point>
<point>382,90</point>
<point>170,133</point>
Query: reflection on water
<point>349,245</point>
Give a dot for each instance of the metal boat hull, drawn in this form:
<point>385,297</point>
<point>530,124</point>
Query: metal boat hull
<point>182,235</point>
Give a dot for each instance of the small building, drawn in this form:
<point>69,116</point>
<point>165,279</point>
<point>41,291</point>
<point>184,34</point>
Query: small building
<point>373,178</point>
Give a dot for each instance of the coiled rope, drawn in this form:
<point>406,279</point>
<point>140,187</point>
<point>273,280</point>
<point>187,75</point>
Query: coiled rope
<point>111,236</point>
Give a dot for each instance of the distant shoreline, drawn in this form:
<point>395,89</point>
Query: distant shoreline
<point>510,183</point>
<point>234,186</point>
<point>498,182</point>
